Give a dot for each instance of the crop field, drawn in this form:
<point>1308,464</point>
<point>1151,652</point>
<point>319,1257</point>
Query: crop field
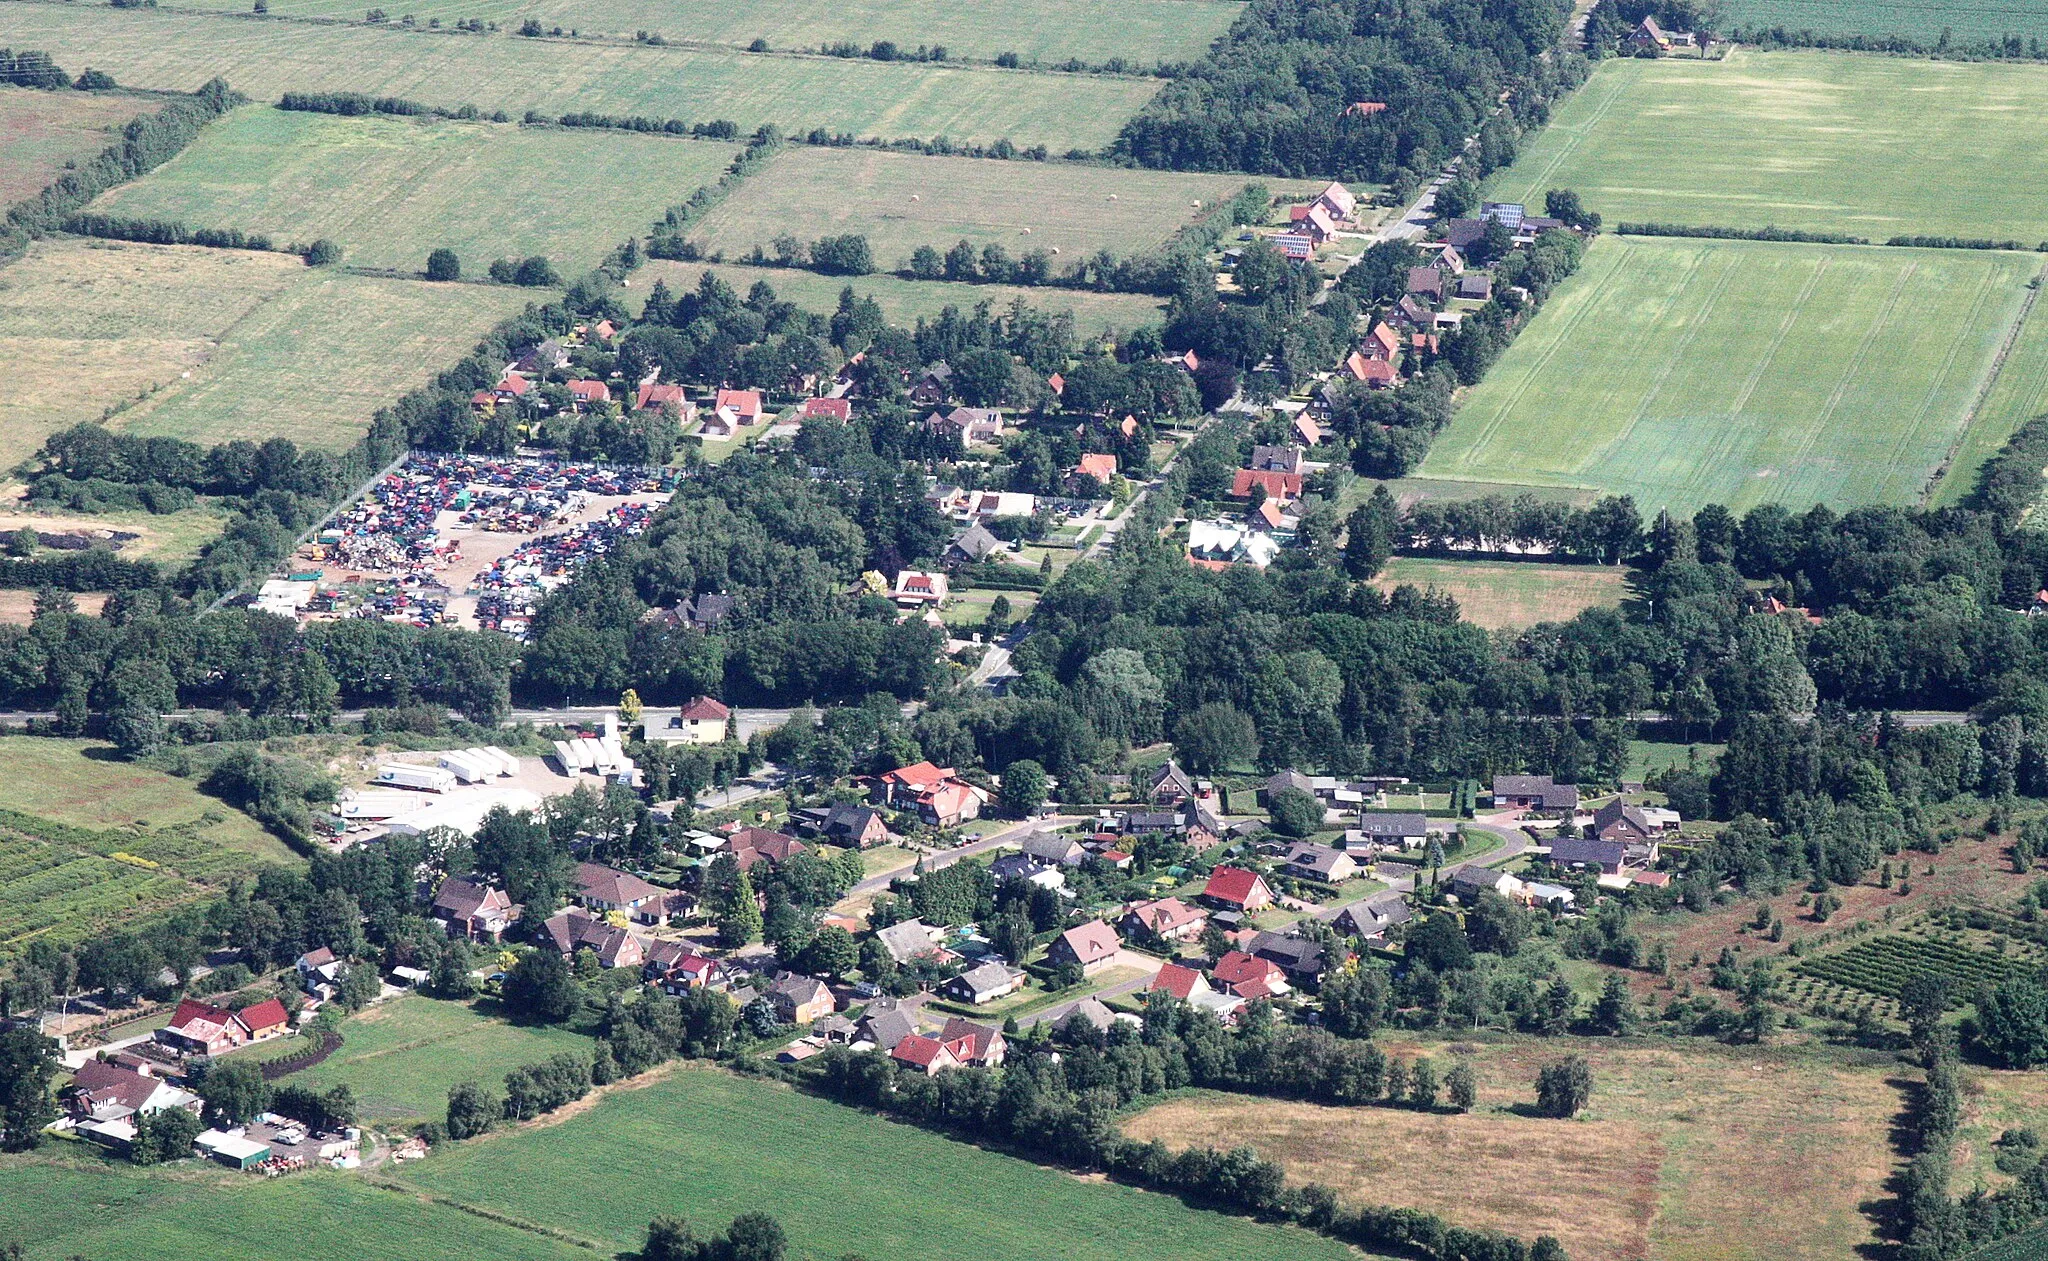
<point>1868,146</point>
<point>153,49</point>
<point>1509,595</point>
<point>401,1057</point>
<point>840,1180</point>
<point>1688,1152</point>
<point>153,841</point>
<point>1883,965</point>
<point>1687,372</point>
<point>2019,395</point>
<point>58,1208</point>
<point>907,301</point>
<point>900,201</point>
<point>41,131</point>
<point>1141,31</point>
<point>1914,19</point>
<point>389,190</point>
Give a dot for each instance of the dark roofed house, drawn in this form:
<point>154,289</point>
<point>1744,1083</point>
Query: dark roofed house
<point>1571,851</point>
<point>704,612</point>
<point>1392,829</point>
<point>1459,234</point>
<point>852,826</point>
<point>908,939</point>
<point>974,545</point>
<point>1287,779</point>
<point>1426,282</point>
<point>1092,946</point>
<point>983,983</point>
<point>751,845</point>
<point>573,930</point>
<point>1170,785</point>
<point>1478,286</point>
<point>1284,458</point>
<point>1051,847</point>
<point>1534,792</point>
<point>476,911</point>
<point>1371,918</point>
<point>884,1028</point>
<point>1301,958</point>
<point>1408,313</point>
<point>603,888</point>
<point>800,999</point>
<point>973,1043</point>
<point>1320,862</point>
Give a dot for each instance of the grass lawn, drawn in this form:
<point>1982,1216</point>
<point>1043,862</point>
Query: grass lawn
<point>1870,146</point>
<point>216,344</point>
<point>153,49</point>
<point>839,1180</point>
<point>173,844</point>
<point>1045,30</point>
<point>389,190</point>
<point>1647,756</point>
<point>1687,372</point>
<point>1688,1152</point>
<point>1498,595</point>
<point>905,302</point>
<point>2019,395</point>
<point>41,131</point>
<point>402,1056</point>
<point>883,859</point>
<point>1927,24</point>
<point>969,609</point>
<point>903,200</point>
<point>58,1207</point>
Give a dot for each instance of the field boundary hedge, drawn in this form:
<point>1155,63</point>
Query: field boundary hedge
<point>1800,236</point>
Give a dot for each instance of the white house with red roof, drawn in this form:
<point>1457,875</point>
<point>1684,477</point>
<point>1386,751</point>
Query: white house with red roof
<point>918,588</point>
<point>1237,889</point>
<point>923,1054</point>
<point>704,720</point>
<point>731,411</point>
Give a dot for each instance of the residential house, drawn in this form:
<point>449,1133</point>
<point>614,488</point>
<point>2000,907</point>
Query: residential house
<point>548,356</point>
<point>1551,897</point>
<point>1389,830</point>
<point>1650,39</point>
<point>1462,234</point>
<point>678,968</point>
<point>666,397</point>
<point>1091,1011</point>
<point>917,588</point>
<point>923,1054</point>
<point>1052,847</point>
<point>1283,458</point>
<point>1028,869</point>
<point>1285,487</point>
<point>704,720</point>
<point>838,409</point>
<point>934,793</point>
<point>606,889</point>
<point>474,911</point>
<point>1445,258</point>
<point>1408,313</point>
<point>572,930</point>
<point>971,1043</point>
<point>736,409</point>
<point>1237,889</point>
<point>1295,247</point>
<point>1337,201</point>
<point>751,845</point>
<point>1370,918</point>
<point>588,393</point>
<point>1616,820</point>
<point>1168,918</point>
<point>1098,467</point>
<point>973,545</point>
<point>986,505</point>
<point>1377,373</point>
<point>1426,283</point>
<point>1534,792</point>
<point>1057,384</point>
<point>319,967</point>
<point>1179,980</point>
<point>1476,287</point>
<point>1382,343</point>
<point>884,1024</point>
<point>855,827</point>
<point>198,1028</point>
<point>1303,959</point>
<point>1170,785</point>
<point>704,612</point>
<point>1471,880</point>
<point>931,388</point>
<point>104,1092</point>
<point>966,426</point>
<point>1508,214</point>
<point>1221,544</point>
<point>909,939</point>
<point>1604,855</point>
<point>1091,946</point>
<point>1248,976</point>
<point>1310,433</point>
<point>1320,862</point>
<point>799,999</point>
<point>604,331</point>
<point>983,983</point>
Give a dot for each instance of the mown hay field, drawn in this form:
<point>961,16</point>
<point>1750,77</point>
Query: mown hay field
<point>840,1180</point>
<point>59,1207</point>
<point>900,201</point>
<point>1140,31</point>
<point>1873,147</point>
<point>155,49</point>
<point>1925,24</point>
<point>211,345</point>
<point>401,1057</point>
<point>1508,595</point>
<point>390,190</point>
<point>905,302</point>
<point>1687,372</point>
<point>152,841</point>
<point>1690,1152</point>
<point>41,131</point>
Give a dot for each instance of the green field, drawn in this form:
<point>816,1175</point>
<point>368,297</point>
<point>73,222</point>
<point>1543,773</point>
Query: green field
<point>900,201</point>
<point>1501,595</point>
<point>174,843</point>
<point>1690,372</point>
<point>2019,395</point>
<point>155,49</point>
<point>389,190</point>
<point>41,131</point>
<point>1142,31</point>
<point>401,1057</point>
<point>1868,146</point>
<point>715,1145</point>
<point>906,301</point>
<point>85,1207</point>
<point>1924,23</point>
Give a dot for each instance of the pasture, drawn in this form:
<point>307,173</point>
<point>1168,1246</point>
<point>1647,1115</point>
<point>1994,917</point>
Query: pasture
<point>1509,595</point>
<point>1688,1152</point>
<point>149,48</point>
<point>1141,31</point>
<point>900,201</point>
<point>1868,146</point>
<point>134,840</point>
<point>41,131</point>
<point>390,190</point>
<point>59,1207</point>
<point>1687,372</point>
<point>905,302</point>
<point>1926,24</point>
<point>401,1057</point>
<point>840,1180</point>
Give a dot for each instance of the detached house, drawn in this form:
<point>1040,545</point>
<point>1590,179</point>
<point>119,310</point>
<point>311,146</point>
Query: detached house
<point>917,588</point>
<point>1285,487</point>
<point>606,889</point>
<point>967,426</point>
<point>1237,889</point>
<point>1167,918</point>
<point>1249,976</point>
<point>934,793</point>
<point>474,911</point>
<point>734,409</point>
<point>1320,862</point>
<point>198,1028</point>
<point>573,930</point>
<point>800,999</point>
<point>980,1045</point>
<point>984,983</point>
<point>923,1054</point>
<point>1370,919</point>
<point>1534,792</point>
<point>666,397</point>
<point>589,393</point>
<point>838,409</point>
<point>703,721</point>
<point>1091,946</point>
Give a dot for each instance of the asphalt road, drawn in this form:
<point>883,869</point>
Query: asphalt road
<point>946,858</point>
